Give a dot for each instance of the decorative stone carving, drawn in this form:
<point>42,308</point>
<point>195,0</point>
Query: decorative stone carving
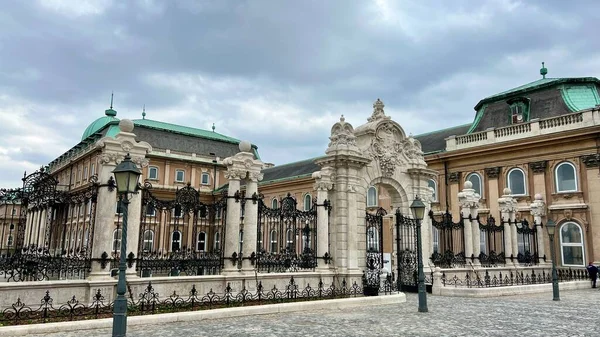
<point>323,179</point>
<point>454,177</point>
<point>492,172</point>
<point>539,166</point>
<point>507,203</point>
<point>468,198</point>
<point>110,158</point>
<point>568,214</point>
<point>378,112</point>
<point>538,207</point>
<point>255,176</point>
<point>126,146</point>
<point>591,160</point>
<point>388,148</point>
<point>235,174</point>
<point>140,161</point>
<point>342,133</point>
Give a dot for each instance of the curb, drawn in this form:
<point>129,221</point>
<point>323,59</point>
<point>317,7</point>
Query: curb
<point>104,323</point>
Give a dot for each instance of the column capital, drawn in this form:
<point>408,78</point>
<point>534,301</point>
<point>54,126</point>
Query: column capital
<point>539,166</point>
<point>493,172</point>
<point>468,197</point>
<point>507,203</point>
<point>538,206</point>
<point>591,160</point>
<point>115,149</point>
<point>453,177</point>
<point>243,165</point>
<point>323,179</point>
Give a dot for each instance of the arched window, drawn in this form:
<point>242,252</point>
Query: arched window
<point>153,173</point>
<point>217,241</point>
<point>571,244</point>
<point>516,182</point>
<point>435,235</point>
<point>373,239</point>
<point>274,204</point>
<point>307,202</point>
<point>372,197</point>
<point>289,240</point>
<point>201,245</point>
<point>475,179</point>
<point>117,240</point>
<point>175,241</point>
<point>432,184</point>
<point>148,240</point>
<point>273,241</point>
<point>205,180</point>
<point>565,177</point>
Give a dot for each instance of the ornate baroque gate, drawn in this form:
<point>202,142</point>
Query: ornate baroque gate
<point>374,252</point>
<point>406,247</point>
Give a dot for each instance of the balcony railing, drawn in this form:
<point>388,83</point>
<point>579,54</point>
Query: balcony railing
<point>533,128</point>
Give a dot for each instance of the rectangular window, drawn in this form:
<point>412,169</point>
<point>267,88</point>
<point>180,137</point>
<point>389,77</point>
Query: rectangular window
<point>85,172</point>
<point>205,179</point>
<point>119,209</point>
<point>179,176</point>
<point>93,170</point>
<point>153,173</point>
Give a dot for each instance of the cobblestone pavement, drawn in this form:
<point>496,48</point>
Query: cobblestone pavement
<point>577,314</point>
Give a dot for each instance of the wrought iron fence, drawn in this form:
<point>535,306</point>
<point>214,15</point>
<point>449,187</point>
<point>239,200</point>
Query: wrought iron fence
<point>47,233</point>
<point>513,278</point>
<point>527,242</point>
<point>181,235</point>
<point>449,241</point>
<point>491,243</point>
<point>149,302</point>
<point>286,237</point>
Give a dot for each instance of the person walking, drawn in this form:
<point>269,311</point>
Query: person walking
<point>593,271</point>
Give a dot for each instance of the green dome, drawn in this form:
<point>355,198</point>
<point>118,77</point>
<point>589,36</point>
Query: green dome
<point>100,123</point>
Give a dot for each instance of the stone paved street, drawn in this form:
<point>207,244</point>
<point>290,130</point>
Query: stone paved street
<point>577,314</point>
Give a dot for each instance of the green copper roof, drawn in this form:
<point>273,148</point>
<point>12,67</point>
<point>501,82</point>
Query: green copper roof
<point>98,125</point>
<point>148,123</point>
<point>536,85</point>
<point>580,97</point>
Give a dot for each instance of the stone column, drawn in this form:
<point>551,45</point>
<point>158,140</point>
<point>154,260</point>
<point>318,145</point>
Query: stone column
<point>322,185</point>
<point>591,179</point>
<point>513,233</point>
<point>476,231</point>
<point>465,200</point>
<point>113,151</point>
<point>538,209</point>
<point>251,214</point>
<point>507,207</point>
<point>241,166</point>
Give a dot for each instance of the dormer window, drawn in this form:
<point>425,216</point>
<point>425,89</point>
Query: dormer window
<point>519,110</point>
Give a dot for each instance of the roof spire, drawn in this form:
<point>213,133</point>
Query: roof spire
<point>213,127</point>
<point>144,112</point>
<point>110,111</point>
<point>543,71</point>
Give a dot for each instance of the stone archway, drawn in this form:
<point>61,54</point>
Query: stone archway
<point>375,153</point>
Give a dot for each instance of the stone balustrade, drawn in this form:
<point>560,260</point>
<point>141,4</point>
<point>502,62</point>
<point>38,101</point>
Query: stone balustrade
<point>533,128</point>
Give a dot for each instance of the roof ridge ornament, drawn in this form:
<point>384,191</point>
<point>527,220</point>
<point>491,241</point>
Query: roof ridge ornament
<point>543,71</point>
<point>378,112</point>
<point>144,112</point>
<point>110,111</point>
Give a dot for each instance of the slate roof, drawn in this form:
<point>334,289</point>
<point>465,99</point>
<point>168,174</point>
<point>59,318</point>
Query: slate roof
<point>435,141</point>
<point>297,169</point>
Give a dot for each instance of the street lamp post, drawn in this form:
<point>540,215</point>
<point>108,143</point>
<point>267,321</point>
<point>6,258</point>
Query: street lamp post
<point>418,210</point>
<point>126,175</point>
<point>551,228</point>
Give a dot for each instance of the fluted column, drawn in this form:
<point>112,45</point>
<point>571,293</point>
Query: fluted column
<point>538,209</point>
<point>322,185</point>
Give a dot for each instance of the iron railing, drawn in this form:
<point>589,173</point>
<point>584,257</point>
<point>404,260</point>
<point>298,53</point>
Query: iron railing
<point>513,278</point>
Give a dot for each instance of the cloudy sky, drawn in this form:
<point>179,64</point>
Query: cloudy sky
<point>278,73</point>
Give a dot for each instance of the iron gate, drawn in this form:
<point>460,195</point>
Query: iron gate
<point>406,247</point>
<point>374,252</point>
<point>46,232</point>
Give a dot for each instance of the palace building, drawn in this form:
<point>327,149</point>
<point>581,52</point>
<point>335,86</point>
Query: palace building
<point>531,155</point>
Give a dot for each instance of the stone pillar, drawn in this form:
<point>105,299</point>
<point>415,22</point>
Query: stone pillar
<point>241,166</point>
<point>476,231</point>
<point>322,185</point>
<point>591,179</point>
<point>465,200</point>
<point>538,209</point>
<point>507,207</point>
<point>113,151</point>
<point>513,233</point>
<point>251,214</point>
